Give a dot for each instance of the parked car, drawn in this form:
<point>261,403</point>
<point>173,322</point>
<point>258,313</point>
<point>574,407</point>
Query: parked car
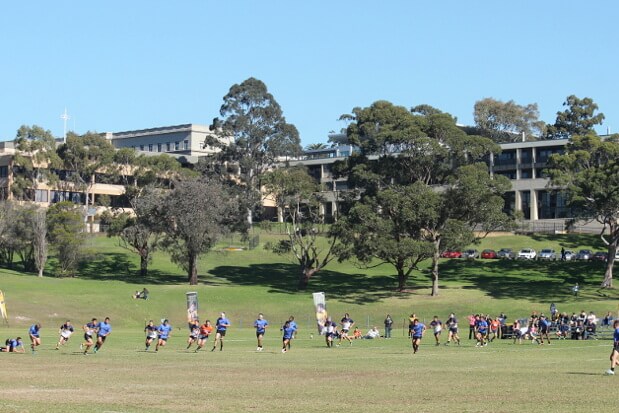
<point>506,253</point>
<point>527,254</point>
<point>451,254</point>
<point>584,255</point>
<point>547,254</point>
<point>489,254</point>
<point>470,254</point>
<point>600,256</point>
<point>570,255</point>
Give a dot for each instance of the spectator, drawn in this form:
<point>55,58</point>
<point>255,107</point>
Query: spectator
<point>607,321</point>
<point>357,333</point>
<point>388,326</point>
<point>576,289</point>
<point>372,334</point>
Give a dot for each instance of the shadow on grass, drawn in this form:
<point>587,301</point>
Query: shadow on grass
<point>572,242</point>
<point>543,281</point>
<point>283,278</point>
<point>117,267</point>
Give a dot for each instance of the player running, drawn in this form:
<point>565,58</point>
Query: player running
<point>205,332</point>
<point>614,354</point>
<point>151,334</point>
<point>452,326</point>
<point>221,326</point>
<point>104,329</point>
<point>90,329</point>
<point>293,325</point>
<point>260,325</point>
<point>417,329</point>
<point>481,332</point>
<point>288,332</point>
<point>330,329</point>
<point>194,332</point>
<point>347,323</point>
<point>65,331</point>
<point>164,331</point>
<point>437,327</point>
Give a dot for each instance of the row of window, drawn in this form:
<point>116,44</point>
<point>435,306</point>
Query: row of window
<point>159,147</point>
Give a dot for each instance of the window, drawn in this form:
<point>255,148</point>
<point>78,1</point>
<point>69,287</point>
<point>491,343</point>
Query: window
<point>150,147</point>
<point>186,144</point>
<point>158,147</point>
<point>168,147</point>
<point>41,195</point>
<point>4,171</point>
<point>177,145</point>
<point>141,147</point>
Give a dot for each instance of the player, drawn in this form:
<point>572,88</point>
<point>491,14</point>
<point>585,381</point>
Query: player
<point>287,336</point>
<point>194,332</point>
<point>346,322</point>
<point>13,346</point>
<point>416,332</point>
<point>104,329</point>
<point>452,325</point>
<point>614,354</point>
<point>221,326</point>
<point>481,331</point>
<point>205,332</point>
<point>90,329</point>
<point>35,337</point>
<point>437,327</point>
<point>151,334</point>
<point>295,327</point>
<point>164,331</point>
<point>261,325</point>
<point>330,330</point>
<point>544,328</point>
<point>65,331</point>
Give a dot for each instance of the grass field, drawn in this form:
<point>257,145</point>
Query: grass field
<point>369,376</point>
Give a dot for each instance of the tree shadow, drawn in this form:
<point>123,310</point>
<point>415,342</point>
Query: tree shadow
<point>283,278</point>
<point>572,242</point>
<point>117,267</point>
<point>540,280</point>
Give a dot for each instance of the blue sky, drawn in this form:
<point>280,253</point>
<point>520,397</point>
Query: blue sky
<point>123,65</point>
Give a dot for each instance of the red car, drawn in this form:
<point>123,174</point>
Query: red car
<point>489,254</point>
<point>451,254</point>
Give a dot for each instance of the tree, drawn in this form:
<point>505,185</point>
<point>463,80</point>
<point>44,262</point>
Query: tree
<point>39,229</point>
<point>589,172</point>
<point>315,146</point>
<point>36,161</point>
<point>423,153</point>
<point>66,233</point>
<point>261,135</point>
<point>196,213</point>
<point>508,121</point>
<point>295,193</point>
<point>578,119</point>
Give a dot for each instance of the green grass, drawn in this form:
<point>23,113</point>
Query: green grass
<point>370,376</point>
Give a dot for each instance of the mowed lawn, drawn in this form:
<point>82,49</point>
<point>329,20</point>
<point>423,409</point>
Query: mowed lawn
<point>370,375</point>
<point>380,375</point>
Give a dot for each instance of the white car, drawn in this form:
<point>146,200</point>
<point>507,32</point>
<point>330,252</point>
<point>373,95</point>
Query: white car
<point>527,254</point>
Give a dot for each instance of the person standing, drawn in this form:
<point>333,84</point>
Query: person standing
<point>205,332</point>
<point>287,336</point>
<point>437,327</point>
<point>614,354</point>
<point>104,329</point>
<point>416,332</point>
<point>388,326</point>
<point>346,322</point>
<point>164,331</point>
<point>90,329</point>
<point>261,325</point>
<point>151,334</point>
<point>66,330</point>
<point>221,326</point>
<point>35,336</point>
<point>472,323</point>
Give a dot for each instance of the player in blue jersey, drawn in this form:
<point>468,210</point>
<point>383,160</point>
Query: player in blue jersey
<point>65,331</point>
<point>295,327</point>
<point>481,331</point>
<point>164,331</point>
<point>194,332</point>
<point>614,354</point>
<point>13,345</point>
<point>104,329</point>
<point>35,337</point>
<point>417,328</point>
<point>90,329</point>
<point>151,334</point>
<point>221,326</point>
<point>288,332</point>
<point>260,325</point>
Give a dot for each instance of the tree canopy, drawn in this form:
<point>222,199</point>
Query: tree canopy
<point>508,121</point>
<point>578,119</point>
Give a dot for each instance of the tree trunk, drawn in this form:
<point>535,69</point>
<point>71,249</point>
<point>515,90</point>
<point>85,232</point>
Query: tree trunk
<point>402,278</point>
<point>608,274</point>
<point>435,258</point>
<point>144,266</point>
<point>193,270</point>
<point>304,277</point>
<point>41,272</point>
